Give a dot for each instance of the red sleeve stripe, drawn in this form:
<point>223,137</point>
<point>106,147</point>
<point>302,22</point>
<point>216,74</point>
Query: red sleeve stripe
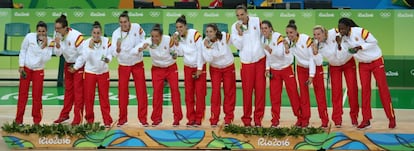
<point>309,42</point>
<point>141,31</point>
<point>364,34</point>
<point>109,43</point>
<point>78,41</point>
<point>171,42</point>
<point>227,37</point>
<point>279,40</point>
<point>196,36</point>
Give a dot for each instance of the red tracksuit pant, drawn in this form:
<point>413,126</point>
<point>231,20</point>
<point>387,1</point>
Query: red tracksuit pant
<point>195,94</point>
<point>349,71</point>
<point>36,76</point>
<point>159,75</point>
<point>253,80</point>
<point>73,94</point>
<point>138,75</point>
<point>226,75</point>
<point>319,89</point>
<point>276,83</point>
<point>102,80</point>
<point>376,67</point>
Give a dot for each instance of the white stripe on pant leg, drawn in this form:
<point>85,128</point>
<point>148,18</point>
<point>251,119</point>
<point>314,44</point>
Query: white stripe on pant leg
<point>344,96</point>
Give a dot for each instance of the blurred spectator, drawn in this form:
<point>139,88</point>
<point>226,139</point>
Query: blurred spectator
<point>268,3</point>
<point>17,5</point>
<point>216,3</point>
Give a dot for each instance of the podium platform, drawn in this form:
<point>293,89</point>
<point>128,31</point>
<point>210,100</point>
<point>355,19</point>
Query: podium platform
<point>166,137</point>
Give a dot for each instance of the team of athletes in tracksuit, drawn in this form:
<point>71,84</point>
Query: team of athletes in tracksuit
<point>264,53</point>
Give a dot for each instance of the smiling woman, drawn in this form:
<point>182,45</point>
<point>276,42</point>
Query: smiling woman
<point>35,52</point>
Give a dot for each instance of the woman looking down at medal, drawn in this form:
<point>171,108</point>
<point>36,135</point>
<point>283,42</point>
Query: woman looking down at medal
<point>95,57</point>
<point>164,67</point>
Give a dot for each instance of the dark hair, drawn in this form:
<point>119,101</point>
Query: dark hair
<point>268,23</point>
<point>241,6</point>
<point>96,24</point>
<point>292,24</point>
<point>182,20</point>
<point>62,20</point>
<point>347,22</point>
<point>219,35</point>
<point>124,14</point>
<point>157,27</point>
<point>41,24</point>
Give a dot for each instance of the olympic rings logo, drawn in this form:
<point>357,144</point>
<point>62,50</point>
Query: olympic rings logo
<point>385,14</point>
<point>116,14</point>
<point>268,14</point>
<point>78,14</point>
<point>192,14</point>
<point>346,14</point>
<point>154,14</point>
<point>40,14</point>
<point>4,13</point>
<point>307,14</point>
<point>230,14</point>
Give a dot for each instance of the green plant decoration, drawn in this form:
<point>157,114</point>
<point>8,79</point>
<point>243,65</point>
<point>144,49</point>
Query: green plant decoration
<point>59,130</point>
<point>272,132</point>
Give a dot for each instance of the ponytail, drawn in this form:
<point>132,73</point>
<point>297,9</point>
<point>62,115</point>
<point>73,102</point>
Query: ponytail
<point>182,20</point>
<point>292,24</point>
<point>62,20</point>
<point>157,27</point>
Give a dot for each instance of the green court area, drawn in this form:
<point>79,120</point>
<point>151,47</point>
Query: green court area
<point>401,98</point>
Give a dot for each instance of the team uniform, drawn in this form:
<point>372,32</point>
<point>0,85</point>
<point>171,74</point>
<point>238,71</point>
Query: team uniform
<point>309,65</point>
<point>279,64</point>
<point>96,73</point>
<point>221,60</point>
<point>340,61</point>
<point>253,62</point>
<point>70,49</point>
<point>191,48</point>
<point>164,67</point>
<point>33,58</point>
<point>130,61</point>
<point>370,62</point>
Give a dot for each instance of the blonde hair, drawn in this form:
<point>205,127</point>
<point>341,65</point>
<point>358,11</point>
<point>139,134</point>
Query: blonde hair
<point>323,29</point>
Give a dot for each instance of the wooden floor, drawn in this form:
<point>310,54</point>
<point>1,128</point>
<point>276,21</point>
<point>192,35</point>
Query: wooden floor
<point>379,122</point>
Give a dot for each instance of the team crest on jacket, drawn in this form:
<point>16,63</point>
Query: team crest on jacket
<point>135,34</point>
<point>222,43</point>
<point>254,28</point>
<point>333,41</point>
<point>274,44</point>
<point>191,41</point>
<point>356,39</point>
<point>303,46</point>
<point>68,43</point>
<point>165,47</point>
